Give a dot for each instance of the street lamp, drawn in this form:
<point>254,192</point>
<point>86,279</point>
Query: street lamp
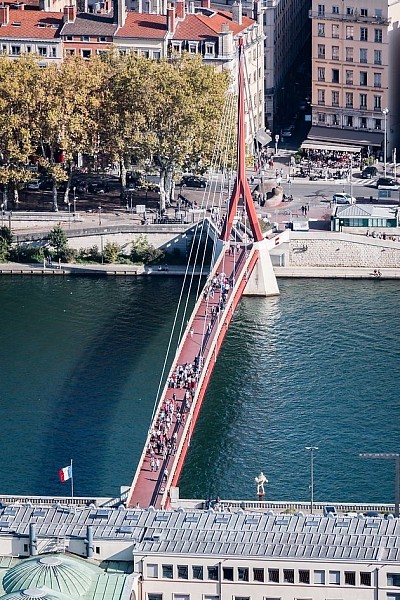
<point>385,112</point>
<point>100,214</point>
<point>311,449</point>
<point>391,456</point>
<point>276,143</point>
<point>74,190</point>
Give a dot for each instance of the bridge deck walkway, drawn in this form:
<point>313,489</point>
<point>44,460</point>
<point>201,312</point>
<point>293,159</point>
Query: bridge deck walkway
<point>202,338</point>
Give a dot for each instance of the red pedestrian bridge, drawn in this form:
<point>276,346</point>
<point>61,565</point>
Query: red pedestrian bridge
<point>243,267</point>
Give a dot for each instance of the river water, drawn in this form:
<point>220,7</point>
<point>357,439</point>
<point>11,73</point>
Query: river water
<point>80,365</point>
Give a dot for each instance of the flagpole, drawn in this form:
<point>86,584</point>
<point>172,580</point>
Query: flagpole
<point>72,481</point>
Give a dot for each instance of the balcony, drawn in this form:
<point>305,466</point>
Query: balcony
<point>355,18</point>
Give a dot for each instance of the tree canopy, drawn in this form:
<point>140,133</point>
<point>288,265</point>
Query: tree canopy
<point>164,113</point>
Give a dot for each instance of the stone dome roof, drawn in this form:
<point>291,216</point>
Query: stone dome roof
<point>56,573</point>
<point>34,594</point>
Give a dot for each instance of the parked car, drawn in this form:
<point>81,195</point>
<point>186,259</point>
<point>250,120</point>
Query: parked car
<point>194,181</point>
<point>343,198</point>
<point>369,172</point>
<point>384,183</point>
<point>287,132</point>
<point>34,184</point>
<point>371,513</point>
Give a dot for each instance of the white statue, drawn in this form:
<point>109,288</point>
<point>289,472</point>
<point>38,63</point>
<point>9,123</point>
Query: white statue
<point>260,480</point>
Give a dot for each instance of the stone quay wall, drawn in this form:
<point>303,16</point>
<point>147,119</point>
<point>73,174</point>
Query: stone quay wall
<point>331,249</point>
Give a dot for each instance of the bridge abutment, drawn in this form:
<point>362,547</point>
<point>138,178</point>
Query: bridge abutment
<point>262,281</point>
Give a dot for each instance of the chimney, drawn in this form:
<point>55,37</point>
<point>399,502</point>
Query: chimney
<point>171,19</point>
<point>19,6</point>
<point>205,4</point>
<point>4,15</point>
<point>69,14</point>
<point>237,13</point>
<point>119,12</point>
<point>226,41</point>
<point>180,9</point>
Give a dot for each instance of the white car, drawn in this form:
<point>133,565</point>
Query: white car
<point>343,198</point>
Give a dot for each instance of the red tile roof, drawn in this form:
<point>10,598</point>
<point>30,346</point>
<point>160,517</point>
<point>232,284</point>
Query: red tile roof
<point>144,26</point>
<point>33,25</point>
<point>200,26</point>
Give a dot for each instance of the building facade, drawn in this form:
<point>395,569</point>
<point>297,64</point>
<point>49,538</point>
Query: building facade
<point>196,554</point>
<point>354,88</point>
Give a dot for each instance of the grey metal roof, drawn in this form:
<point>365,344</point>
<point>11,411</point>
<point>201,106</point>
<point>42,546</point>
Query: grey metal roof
<point>229,533</point>
<point>366,211</point>
<point>88,24</point>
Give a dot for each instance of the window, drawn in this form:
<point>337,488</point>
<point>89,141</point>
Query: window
<point>377,125</point>
<point>321,10</point>
<point>321,97</point>
<point>227,573</point>
<point>363,100</point>
<point>349,578</point>
<point>377,80</point>
<point>334,577</point>
<point>181,597</point>
<point>54,52</point>
<point>335,52</point>
<point>321,74</point>
<point>377,102</point>
<point>192,48</point>
<point>70,52</point>
<point>102,38</point>
<point>152,571</point>
<point>197,572</point>
<point>349,10</point>
<point>363,55</point>
<point>364,12</point>
<point>154,596</point>
<point>243,574</point>
<point>334,120</point>
<point>288,575</point>
<point>349,121</point>
<point>335,10</point>
<point>349,54</point>
<point>85,38</point>
<point>321,29</point>
<point>168,571</point>
<point>69,38</point>
<point>29,50</point>
<point>363,34</point>
<point>335,75</point>
<point>393,579</point>
<point>321,50</point>
<point>378,36</point>
<point>42,50</point>
<point>212,573</point>
<point>321,117</point>
<point>15,50</point>
<point>210,49</point>
<point>258,575</point>
<point>335,31</point>
<point>86,53</point>
<point>365,578</point>
<point>211,597</point>
<point>183,572</point>
<point>377,57</point>
<point>389,596</point>
<point>349,99</point>
<point>273,575</point>
<point>349,77</point>
<point>349,32</point>
<point>304,576</point>
<point>363,123</point>
<point>242,598</point>
<point>363,78</point>
<point>335,98</point>
<point>378,12</point>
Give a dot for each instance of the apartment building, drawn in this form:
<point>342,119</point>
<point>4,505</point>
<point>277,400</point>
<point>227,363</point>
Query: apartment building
<point>355,72</point>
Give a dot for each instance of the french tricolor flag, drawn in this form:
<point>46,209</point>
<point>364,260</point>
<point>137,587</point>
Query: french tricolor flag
<point>65,473</point>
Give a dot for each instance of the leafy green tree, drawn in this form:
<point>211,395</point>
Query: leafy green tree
<point>58,240</point>
<point>111,252</point>
<point>6,240</point>
<point>144,252</point>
